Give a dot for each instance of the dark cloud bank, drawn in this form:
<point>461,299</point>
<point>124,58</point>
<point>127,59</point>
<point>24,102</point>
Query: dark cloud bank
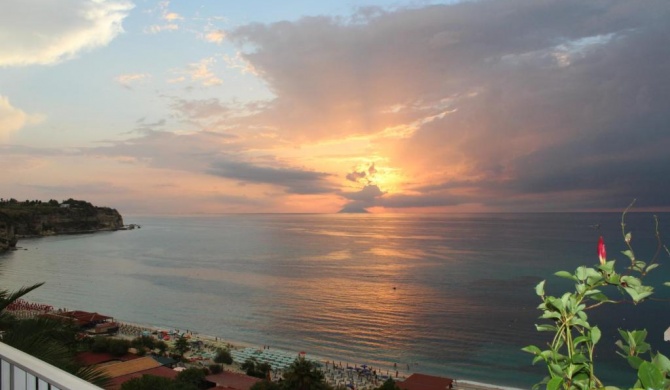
<point>554,104</point>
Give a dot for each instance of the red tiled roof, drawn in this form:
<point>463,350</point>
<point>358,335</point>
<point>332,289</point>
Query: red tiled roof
<point>80,318</point>
<point>91,358</point>
<point>132,366</point>
<point>164,372</point>
<point>232,381</point>
<point>425,382</point>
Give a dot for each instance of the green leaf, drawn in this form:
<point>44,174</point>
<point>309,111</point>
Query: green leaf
<point>550,315</point>
<point>666,284</point>
<point>608,267</point>
<point>651,267</point>
<point>614,279</point>
<point>581,273</point>
<point>595,335</point>
<point>591,292</point>
<point>545,328</point>
<point>580,322</point>
<point>629,254</point>
<point>579,340</point>
<point>556,369</point>
<point>634,361</point>
<point>554,383</point>
<point>566,274</point>
<point>638,265</point>
<point>628,237</point>
<point>650,376</point>
<point>631,281</point>
<point>539,289</point>
<point>557,303</point>
<point>662,362</point>
<point>579,358</point>
<point>531,349</point>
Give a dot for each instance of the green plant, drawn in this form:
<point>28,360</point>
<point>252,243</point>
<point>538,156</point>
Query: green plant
<point>215,368</point>
<point>569,356</point>
<point>223,356</point>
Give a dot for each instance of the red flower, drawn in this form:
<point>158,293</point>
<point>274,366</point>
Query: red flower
<point>602,254</point>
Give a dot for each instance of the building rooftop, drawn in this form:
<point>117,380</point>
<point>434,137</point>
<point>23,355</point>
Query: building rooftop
<point>426,382</point>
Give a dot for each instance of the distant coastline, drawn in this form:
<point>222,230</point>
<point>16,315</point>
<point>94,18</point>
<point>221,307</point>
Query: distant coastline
<point>35,218</point>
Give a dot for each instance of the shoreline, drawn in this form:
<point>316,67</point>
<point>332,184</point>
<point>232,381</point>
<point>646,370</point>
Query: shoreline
<point>218,342</point>
<point>134,329</point>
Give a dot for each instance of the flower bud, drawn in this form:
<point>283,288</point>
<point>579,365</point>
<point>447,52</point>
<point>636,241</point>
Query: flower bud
<point>602,254</point>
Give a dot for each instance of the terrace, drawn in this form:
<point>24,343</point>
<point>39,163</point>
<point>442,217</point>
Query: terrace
<point>19,371</point>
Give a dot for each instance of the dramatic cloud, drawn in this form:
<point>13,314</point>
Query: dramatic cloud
<point>364,175</point>
<point>12,119</point>
<point>46,32</point>
<point>518,100</point>
<point>490,105</point>
<point>295,181</point>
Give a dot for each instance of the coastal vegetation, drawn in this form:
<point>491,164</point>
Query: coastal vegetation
<point>256,369</point>
<point>570,355</point>
<point>35,218</point>
<point>302,374</point>
<point>223,356</point>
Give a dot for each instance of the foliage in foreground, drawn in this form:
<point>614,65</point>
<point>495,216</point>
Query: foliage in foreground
<point>51,341</point>
<point>569,356</point>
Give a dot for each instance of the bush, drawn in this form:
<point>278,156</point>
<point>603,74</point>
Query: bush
<point>215,368</point>
<point>223,356</point>
<point>193,376</point>
<point>253,368</point>
<point>100,344</point>
<point>118,347</point>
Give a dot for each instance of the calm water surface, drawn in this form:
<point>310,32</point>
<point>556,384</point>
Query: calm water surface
<point>448,295</point>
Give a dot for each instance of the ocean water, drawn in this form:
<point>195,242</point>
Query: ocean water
<point>449,295</point>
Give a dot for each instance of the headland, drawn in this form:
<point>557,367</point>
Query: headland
<point>34,218</point>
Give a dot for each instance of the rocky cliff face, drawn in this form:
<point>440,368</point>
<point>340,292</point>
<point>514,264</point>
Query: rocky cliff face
<point>7,234</point>
<point>25,220</point>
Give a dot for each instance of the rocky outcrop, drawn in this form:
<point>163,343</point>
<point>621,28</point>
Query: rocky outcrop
<point>7,235</point>
<point>18,220</point>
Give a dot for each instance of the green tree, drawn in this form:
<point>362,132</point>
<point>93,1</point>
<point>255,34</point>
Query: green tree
<point>303,374</point>
<point>256,369</point>
<point>223,356</point>
<point>193,376</point>
<point>388,385</point>
<point>181,346</point>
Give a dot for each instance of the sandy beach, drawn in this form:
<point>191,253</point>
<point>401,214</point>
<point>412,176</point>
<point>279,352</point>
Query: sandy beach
<point>336,372</point>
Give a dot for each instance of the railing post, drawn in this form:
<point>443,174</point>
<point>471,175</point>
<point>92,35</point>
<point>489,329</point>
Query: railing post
<point>19,371</point>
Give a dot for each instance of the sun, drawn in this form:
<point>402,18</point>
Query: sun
<point>387,179</point>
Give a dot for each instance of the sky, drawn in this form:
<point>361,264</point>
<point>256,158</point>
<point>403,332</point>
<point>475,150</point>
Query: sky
<point>260,106</point>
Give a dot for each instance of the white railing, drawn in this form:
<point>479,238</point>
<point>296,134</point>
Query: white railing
<point>20,371</point>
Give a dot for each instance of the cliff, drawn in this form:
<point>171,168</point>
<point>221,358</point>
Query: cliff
<point>37,219</point>
<point>7,234</point>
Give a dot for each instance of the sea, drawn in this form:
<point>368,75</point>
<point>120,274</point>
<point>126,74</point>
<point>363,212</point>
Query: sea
<point>443,294</point>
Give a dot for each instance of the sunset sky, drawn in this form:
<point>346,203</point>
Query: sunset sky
<point>218,106</point>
